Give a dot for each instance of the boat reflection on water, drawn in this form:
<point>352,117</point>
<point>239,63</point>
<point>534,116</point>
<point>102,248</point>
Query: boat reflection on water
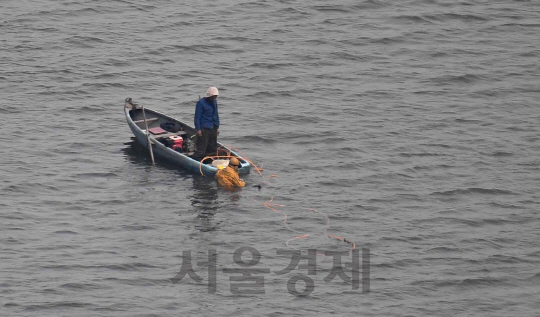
<point>205,202</point>
<point>138,154</point>
<point>204,197</point>
<point>135,152</point>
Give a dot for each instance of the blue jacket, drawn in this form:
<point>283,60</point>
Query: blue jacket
<point>206,114</point>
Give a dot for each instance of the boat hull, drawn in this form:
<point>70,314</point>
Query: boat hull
<point>167,153</point>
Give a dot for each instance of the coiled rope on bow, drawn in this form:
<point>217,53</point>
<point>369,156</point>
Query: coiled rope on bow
<point>228,156</point>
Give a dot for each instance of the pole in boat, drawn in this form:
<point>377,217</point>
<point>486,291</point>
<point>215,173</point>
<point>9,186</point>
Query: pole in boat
<point>148,137</point>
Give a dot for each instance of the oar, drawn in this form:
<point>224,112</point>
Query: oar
<point>148,137</point>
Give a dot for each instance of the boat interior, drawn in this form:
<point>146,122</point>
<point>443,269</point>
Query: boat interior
<point>155,120</point>
<point>169,132</point>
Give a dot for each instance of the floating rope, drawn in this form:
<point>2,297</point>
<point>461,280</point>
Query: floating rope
<point>273,206</point>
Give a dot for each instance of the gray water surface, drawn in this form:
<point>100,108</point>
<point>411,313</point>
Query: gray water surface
<point>412,125</point>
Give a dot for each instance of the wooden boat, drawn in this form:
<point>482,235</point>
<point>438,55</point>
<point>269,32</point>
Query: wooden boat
<point>158,139</point>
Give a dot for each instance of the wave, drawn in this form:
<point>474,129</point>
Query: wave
<point>414,19</point>
<point>276,65</point>
<point>477,222</point>
<point>349,56</point>
<point>229,38</point>
<point>137,227</point>
<point>290,10</point>
<point>96,174</point>
<point>65,232</point>
<point>137,266</point>
<point>448,17</point>
<point>443,250</point>
<point>368,4</point>
<point>388,41</point>
<point>462,120</point>
<point>298,118</point>
<point>437,145</point>
<point>523,25</point>
<point>259,139</point>
<point>56,306</point>
<point>474,190</point>
<point>81,286</point>
<point>402,263</point>
<point>29,188</point>
<point>9,109</point>
<point>420,154</point>
<point>456,79</point>
<point>500,154</point>
<point>332,8</point>
<point>506,259</point>
<point>140,281</point>
<point>85,41</point>
<point>506,205</point>
<point>473,282</point>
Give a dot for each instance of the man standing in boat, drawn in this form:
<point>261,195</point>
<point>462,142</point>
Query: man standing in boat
<point>207,124</point>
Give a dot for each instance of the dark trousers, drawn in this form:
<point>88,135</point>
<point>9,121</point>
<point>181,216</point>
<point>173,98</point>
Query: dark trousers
<point>207,143</point>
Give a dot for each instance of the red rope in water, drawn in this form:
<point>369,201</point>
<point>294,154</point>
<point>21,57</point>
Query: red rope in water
<point>271,205</point>
<point>303,235</point>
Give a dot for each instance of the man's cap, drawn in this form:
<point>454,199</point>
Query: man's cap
<point>212,91</point>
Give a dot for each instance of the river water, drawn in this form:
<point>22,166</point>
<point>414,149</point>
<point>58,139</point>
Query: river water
<point>409,128</point>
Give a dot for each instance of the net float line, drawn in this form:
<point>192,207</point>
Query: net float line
<point>270,205</point>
